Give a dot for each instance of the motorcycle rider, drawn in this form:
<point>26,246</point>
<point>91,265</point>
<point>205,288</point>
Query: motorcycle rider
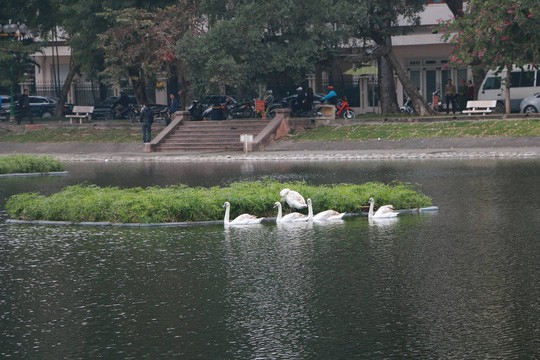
<point>308,102</point>
<point>298,106</point>
<point>268,99</point>
<point>331,97</point>
<point>121,104</point>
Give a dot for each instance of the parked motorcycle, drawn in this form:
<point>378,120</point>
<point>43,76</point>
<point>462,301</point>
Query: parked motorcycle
<point>244,110</point>
<point>291,103</point>
<point>196,110</point>
<point>408,107</point>
<point>130,112</point>
<point>344,110</point>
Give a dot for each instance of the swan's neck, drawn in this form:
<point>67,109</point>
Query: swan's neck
<point>371,205</point>
<point>227,213</point>
<point>279,213</point>
<point>310,211</point>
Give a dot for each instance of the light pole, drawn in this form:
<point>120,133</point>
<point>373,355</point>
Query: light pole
<point>12,32</point>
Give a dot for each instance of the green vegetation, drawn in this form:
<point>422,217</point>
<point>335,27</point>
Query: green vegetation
<point>395,131</point>
<point>83,135</point>
<point>358,131</point>
<point>181,203</point>
<point>12,164</point>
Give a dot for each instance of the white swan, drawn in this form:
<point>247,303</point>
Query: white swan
<point>327,215</point>
<point>244,219</point>
<point>385,211</point>
<point>293,198</point>
<point>292,217</point>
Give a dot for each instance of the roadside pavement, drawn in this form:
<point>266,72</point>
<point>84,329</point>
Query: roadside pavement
<point>290,150</point>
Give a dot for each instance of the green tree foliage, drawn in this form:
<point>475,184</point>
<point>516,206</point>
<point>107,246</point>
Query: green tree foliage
<point>140,44</point>
<point>15,56</point>
<point>249,42</point>
<point>496,34</point>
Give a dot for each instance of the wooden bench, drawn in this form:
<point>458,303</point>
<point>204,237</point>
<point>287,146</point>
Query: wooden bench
<point>480,106</point>
<point>81,113</point>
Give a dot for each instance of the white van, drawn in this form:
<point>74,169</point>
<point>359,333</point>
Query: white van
<point>523,83</point>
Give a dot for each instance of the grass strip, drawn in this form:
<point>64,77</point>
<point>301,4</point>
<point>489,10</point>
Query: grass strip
<point>24,164</point>
<point>82,135</point>
<point>450,129</point>
<point>181,203</point>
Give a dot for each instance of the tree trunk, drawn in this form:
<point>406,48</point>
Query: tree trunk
<point>389,104</point>
<point>136,77</point>
<point>73,69</point>
<point>507,87</point>
<point>419,103</point>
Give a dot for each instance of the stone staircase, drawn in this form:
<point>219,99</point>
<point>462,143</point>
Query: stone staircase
<point>210,135</point>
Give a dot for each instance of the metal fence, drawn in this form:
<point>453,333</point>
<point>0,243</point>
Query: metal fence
<point>87,93</point>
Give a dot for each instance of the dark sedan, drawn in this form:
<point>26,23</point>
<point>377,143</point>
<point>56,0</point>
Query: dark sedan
<point>43,106</point>
<point>40,106</point>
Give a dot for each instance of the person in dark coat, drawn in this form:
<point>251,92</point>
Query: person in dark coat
<point>24,108</point>
<point>308,102</point>
<point>147,119</point>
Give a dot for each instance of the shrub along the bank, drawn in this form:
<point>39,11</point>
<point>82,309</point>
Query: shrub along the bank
<point>13,164</point>
<point>181,203</point>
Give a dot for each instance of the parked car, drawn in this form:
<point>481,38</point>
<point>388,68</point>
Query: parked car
<point>5,108</point>
<point>104,109</point>
<point>40,106</point>
<point>530,104</point>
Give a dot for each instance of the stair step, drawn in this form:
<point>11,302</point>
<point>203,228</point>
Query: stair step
<point>211,135</point>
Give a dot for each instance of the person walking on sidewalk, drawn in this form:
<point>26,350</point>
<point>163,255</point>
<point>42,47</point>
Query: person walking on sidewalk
<point>147,119</point>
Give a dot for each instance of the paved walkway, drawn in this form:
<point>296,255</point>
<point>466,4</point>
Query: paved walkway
<point>288,150</point>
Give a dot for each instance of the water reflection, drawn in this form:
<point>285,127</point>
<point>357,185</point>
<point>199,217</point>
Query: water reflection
<point>459,283</point>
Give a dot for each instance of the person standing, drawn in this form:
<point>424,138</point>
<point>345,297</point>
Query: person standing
<point>470,91</point>
<point>463,95</point>
<point>450,96</point>
<point>174,106</point>
<point>24,108</point>
<point>147,119</point>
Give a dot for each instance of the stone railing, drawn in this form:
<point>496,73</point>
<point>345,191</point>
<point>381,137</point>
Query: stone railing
<point>178,119</point>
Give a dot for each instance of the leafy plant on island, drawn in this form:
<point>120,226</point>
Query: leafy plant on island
<point>181,203</point>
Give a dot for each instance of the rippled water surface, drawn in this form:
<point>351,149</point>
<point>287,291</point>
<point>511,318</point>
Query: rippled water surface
<point>460,283</point>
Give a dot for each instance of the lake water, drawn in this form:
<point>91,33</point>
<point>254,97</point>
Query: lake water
<point>463,282</point>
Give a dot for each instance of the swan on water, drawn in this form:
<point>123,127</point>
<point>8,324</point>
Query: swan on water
<point>327,215</point>
<point>293,198</point>
<point>292,217</point>
<point>385,211</point>
<point>244,219</point>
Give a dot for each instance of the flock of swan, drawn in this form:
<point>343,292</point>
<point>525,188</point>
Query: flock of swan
<point>296,201</point>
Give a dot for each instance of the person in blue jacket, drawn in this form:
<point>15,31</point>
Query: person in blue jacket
<point>331,97</point>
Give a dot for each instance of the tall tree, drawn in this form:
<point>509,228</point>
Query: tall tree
<point>376,22</point>
<point>248,43</point>
<point>496,34</point>
<point>141,43</point>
